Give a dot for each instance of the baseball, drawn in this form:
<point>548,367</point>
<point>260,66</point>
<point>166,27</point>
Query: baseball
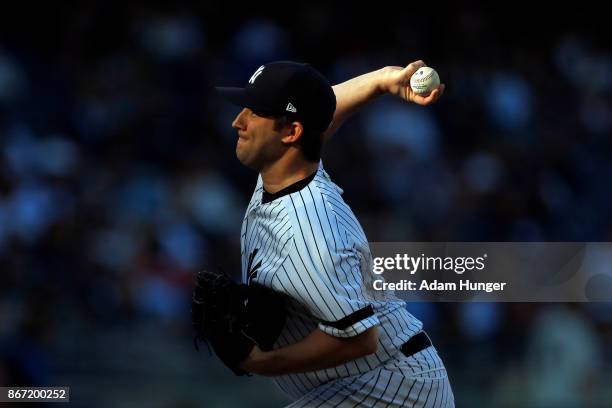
<point>424,80</point>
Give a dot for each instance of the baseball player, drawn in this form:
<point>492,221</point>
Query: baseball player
<point>343,344</point>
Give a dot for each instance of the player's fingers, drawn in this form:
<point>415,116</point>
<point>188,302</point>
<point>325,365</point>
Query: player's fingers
<point>431,98</point>
<point>420,99</point>
<point>412,67</point>
<point>437,93</point>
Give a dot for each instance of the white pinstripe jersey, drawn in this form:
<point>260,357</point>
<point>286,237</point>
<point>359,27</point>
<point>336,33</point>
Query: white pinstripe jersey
<point>305,241</point>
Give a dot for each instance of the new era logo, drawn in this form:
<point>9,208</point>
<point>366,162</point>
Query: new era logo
<point>256,74</point>
<point>291,108</point>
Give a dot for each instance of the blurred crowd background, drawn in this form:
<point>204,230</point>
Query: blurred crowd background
<point>118,181</point>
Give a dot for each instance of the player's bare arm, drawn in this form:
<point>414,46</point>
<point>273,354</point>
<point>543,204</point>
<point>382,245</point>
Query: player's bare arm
<point>394,80</point>
<point>317,351</point>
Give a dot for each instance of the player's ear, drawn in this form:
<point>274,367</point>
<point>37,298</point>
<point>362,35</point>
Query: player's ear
<point>293,132</point>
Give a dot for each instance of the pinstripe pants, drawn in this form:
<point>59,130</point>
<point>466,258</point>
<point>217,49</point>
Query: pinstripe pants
<point>416,381</point>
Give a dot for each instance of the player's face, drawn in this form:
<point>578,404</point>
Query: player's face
<point>258,142</point>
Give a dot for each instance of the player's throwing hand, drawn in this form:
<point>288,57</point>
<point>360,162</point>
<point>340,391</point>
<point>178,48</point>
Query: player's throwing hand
<point>397,82</point>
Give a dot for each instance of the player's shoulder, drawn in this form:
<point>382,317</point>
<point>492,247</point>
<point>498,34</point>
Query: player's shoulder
<point>325,186</point>
<point>327,191</point>
<point>313,190</point>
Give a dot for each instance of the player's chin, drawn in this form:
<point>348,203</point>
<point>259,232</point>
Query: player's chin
<point>240,153</point>
<point>243,156</point>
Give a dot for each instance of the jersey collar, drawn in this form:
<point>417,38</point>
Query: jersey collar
<point>295,187</point>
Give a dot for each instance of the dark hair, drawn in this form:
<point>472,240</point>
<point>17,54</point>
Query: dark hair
<point>310,141</point>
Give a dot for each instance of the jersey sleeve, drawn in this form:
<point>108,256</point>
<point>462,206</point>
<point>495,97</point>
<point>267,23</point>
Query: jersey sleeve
<point>337,303</point>
<point>323,273</point>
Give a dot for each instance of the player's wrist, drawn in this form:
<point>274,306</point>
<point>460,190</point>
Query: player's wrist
<point>388,80</point>
<point>383,82</point>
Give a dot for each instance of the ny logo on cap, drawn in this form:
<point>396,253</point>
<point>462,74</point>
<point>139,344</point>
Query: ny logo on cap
<point>291,108</point>
<point>256,74</point>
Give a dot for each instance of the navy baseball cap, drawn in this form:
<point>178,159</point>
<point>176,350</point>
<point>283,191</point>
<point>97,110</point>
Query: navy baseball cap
<point>287,88</point>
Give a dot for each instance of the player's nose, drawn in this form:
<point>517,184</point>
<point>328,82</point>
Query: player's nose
<point>239,123</point>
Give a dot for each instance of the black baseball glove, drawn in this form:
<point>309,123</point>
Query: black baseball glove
<point>233,317</point>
